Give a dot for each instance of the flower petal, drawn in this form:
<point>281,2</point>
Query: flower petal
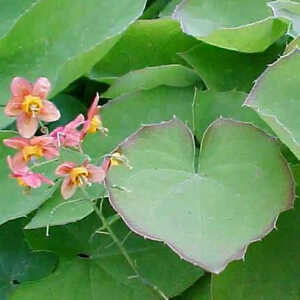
<point>18,161</point>
<point>45,179</point>
<point>93,110</point>
<point>13,107</point>
<point>50,152</point>
<point>20,87</point>
<point>16,142</point>
<point>26,125</point>
<point>79,120</point>
<point>15,169</point>
<point>65,168</point>
<point>96,174</point>
<point>49,112</point>
<point>41,88</point>
<point>32,180</point>
<point>67,188</point>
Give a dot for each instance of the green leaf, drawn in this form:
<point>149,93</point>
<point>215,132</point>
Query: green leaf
<point>91,267</point>
<point>270,269</point>
<point>278,104</point>
<point>57,211</point>
<point>169,8</point>
<point>62,39</point>
<point>292,46</point>
<point>14,202</point>
<point>146,43</point>
<point>151,77</point>
<point>70,108</point>
<point>224,70</point>
<point>289,10</point>
<point>18,263</point>
<point>154,9</point>
<point>10,14</point>
<point>199,291</point>
<point>4,120</point>
<point>210,105</point>
<point>124,115</point>
<point>245,26</point>
<point>211,216</point>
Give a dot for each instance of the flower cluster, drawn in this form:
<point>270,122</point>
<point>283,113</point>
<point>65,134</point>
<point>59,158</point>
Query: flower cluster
<point>30,107</point>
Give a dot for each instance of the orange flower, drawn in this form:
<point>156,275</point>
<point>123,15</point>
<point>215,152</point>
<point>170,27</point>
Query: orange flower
<point>77,176</point>
<point>29,105</point>
<point>36,147</point>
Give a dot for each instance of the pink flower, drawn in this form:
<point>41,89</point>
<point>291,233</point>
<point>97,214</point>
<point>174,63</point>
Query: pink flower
<point>25,177</point>
<point>76,176</point>
<point>37,147</point>
<point>29,105</point>
<point>93,122</point>
<point>68,135</point>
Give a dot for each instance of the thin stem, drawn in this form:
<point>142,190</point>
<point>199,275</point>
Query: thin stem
<point>120,245</point>
<point>114,237</point>
<point>44,163</point>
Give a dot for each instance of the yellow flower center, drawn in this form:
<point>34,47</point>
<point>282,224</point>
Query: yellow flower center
<point>21,182</point>
<point>95,125</point>
<point>32,105</point>
<point>116,159</point>
<point>29,151</point>
<point>79,175</point>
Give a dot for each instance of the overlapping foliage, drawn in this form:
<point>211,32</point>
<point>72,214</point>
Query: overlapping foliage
<point>196,141</point>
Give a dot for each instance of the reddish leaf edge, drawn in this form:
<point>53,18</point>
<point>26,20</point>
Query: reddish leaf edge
<point>240,254</point>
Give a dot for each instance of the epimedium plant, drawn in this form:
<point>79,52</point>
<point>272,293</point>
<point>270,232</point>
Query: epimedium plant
<point>168,186</point>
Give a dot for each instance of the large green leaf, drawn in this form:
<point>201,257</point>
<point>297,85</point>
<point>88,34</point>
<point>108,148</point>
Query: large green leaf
<point>270,269</point>
<point>224,70</point>
<point>146,43</point>
<point>62,39</point>
<point>199,291</point>
<point>278,104</point>
<point>210,105</point>
<point>12,12</point>
<point>245,26</point>
<point>210,216</point>
<point>18,263</point>
<point>151,77</point>
<point>169,8</point>
<point>14,202</point>
<point>92,268</point>
<point>289,10</point>
<point>124,115</point>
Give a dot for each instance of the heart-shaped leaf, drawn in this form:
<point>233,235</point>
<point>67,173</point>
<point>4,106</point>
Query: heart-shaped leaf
<point>210,216</point>
<point>92,267</point>
<point>278,104</point>
<point>18,263</point>
<point>245,26</point>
